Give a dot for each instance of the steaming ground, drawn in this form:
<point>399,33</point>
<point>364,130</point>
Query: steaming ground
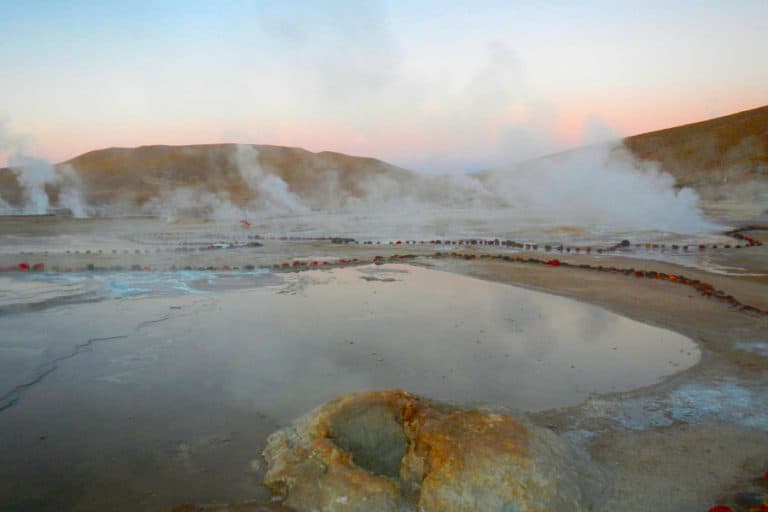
<point>596,197</point>
<point>593,197</point>
<point>599,188</point>
<point>183,362</point>
<point>162,243</point>
<point>596,191</point>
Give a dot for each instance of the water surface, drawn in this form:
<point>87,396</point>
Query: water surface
<point>162,388</point>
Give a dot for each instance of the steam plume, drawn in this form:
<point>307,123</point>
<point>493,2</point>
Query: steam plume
<point>34,173</point>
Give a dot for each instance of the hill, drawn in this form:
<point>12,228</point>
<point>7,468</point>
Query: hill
<point>724,159</point>
<point>718,157</point>
<point>238,173</point>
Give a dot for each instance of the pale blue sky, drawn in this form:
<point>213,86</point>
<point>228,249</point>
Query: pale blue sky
<point>434,85</point>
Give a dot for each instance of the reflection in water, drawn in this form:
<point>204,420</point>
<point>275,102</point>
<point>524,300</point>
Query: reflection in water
<point>178,407</point>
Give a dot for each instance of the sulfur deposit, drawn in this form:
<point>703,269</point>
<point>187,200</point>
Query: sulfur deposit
<point>391,451</point>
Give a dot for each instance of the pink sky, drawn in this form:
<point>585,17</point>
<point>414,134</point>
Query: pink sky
<point>437,86</point>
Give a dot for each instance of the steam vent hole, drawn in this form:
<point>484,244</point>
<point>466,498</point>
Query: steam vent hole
<point>404,452</point>
<point>373,435</point>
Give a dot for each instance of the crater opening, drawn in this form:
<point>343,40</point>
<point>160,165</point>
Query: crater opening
<point>373,435</point>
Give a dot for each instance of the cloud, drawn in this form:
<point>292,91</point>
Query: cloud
<point>34,173</point>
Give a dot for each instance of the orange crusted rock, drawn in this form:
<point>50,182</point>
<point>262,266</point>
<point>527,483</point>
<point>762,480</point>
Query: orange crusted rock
<point>392,451</point>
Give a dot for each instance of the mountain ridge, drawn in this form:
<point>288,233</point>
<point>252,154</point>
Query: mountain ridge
<point>719,158</point>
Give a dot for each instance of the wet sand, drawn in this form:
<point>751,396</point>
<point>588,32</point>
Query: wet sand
<point>682,444</point>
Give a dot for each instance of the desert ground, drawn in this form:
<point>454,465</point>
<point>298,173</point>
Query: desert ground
<point>691,437</point>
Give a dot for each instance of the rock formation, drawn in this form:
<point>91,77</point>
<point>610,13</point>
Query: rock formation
<point>392,451</point>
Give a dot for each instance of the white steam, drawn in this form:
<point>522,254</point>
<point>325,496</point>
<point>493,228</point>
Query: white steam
<point>192,202</point>
<point>5,208</point>
<point>597,189</point>
<point>34,173</point>
<point>600,185</point>
<point>601,188</point>
<point>70,191</point>
<point>272,193</point>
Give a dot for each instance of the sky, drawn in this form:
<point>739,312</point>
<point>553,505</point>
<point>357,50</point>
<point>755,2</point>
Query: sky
<point>438,86</point>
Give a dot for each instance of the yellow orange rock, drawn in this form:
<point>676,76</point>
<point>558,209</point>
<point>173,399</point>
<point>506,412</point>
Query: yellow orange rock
<point>392,451</point>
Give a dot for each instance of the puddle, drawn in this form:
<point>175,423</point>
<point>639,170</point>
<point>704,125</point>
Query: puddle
<point>134,382</point>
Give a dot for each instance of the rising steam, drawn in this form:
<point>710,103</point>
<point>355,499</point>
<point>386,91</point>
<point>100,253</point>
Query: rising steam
<point>601,187</point>
<point>598,188</point>
<point>272,193</point>
<point>33,174</point>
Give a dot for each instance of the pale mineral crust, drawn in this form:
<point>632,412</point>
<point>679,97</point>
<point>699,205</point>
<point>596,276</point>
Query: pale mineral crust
<point>392,451</point>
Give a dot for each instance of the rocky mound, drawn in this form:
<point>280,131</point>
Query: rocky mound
<point>392,451</point>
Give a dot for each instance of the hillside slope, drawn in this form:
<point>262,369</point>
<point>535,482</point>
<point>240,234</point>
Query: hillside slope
<point>717,157</point>
<point>134,176</point>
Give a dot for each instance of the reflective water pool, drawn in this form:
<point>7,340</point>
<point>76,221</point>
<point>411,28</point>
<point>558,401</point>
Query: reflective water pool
<point>165,394</point>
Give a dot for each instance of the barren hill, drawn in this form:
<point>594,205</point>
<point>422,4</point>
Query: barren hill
<point>717,157</point>
<point>238,172</point>
<point>724,159</point>
<point>147,171</point>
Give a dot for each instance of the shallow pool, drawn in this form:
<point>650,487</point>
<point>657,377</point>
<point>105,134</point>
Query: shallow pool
<point>163,395</point>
